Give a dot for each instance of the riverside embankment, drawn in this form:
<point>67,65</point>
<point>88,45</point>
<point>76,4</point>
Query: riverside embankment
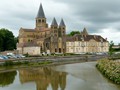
<point>14,64</point>
<point>57,58</point>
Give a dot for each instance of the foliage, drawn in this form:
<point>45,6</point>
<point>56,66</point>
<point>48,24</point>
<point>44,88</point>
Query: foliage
<point>8,63</point>
<point>7,40</point>
<point>15,42</point>
<point>73,33</point>
<point>26,55</point>
<point>111,69</point>
<point>110,48</point>
<point>7,78</point>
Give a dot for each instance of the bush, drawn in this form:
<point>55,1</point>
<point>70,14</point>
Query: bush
<point>26,55</point>
<point>8,63</point>
<point>111,69</point>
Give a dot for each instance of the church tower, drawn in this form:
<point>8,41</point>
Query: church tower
<point>54,36</point>
<point>54,28</point>
<point>62,37</point>
<point>62,28</point>
<point>41,19</point>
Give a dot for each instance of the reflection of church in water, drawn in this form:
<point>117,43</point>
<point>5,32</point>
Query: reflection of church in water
<point>43,77</point>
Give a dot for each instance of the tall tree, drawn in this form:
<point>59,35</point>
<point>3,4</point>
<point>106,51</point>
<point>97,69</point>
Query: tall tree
<point>119,45</point>
<point>15,42</point>
<point>110,48</point>
<point>7,40</point>
<point>1,42</point>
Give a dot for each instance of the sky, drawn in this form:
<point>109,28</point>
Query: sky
<point>101,17</point>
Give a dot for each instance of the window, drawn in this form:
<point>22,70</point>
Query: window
<point>59,50</point>
<point>67,49</point>
<point>42,20</point>
<point>39,21</point>
<point>55,50</point>
<point>28,40</point>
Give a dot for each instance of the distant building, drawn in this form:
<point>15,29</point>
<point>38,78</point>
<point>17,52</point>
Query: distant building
<point>43,38</point>
<point>116,46</point>
<point>85,43</point>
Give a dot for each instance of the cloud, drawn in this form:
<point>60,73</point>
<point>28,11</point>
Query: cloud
<point>108,32</point>
<point>97,16</point>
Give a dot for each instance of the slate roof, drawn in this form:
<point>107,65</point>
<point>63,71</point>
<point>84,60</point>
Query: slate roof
<point>40,12</point>
<point>28,30</point>
<point>29,44</point>
<point>54,22</point>
<point>79,37</point>
<point>62,23</point>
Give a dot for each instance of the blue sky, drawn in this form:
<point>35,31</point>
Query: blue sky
<point>99,17</point>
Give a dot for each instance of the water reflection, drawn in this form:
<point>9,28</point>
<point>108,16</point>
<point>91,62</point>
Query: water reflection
<point>7,78</point>
<point>81,76</point>
<point>43,77</point>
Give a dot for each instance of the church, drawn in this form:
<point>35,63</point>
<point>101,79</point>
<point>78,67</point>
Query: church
<point>53,39</point>
<point>43,38</point>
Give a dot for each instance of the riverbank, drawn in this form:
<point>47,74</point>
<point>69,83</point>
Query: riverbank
<point>110,69</point>
<point>44,61</point>
<point>17,66</point>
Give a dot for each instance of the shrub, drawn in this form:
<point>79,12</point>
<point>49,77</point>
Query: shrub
<point>111,69</point>
<point>8,63</point>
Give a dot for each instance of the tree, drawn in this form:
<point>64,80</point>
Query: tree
<point>110,48</point>
<point>7,78</point>
<point>119,45</point>
<point>73,33</point>
<point>7,41</point>
<point>1,42</point>
<point>15,42</point>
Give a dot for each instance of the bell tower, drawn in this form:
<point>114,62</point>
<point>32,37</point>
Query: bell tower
<point>62,37</point>
<point>41,19</point>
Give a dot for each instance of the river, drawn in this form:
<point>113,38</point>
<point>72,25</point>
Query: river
<point>79,76</point>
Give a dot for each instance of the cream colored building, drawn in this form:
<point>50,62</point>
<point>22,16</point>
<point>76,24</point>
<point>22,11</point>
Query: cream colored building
<point>84,43</point>
<point>31,49</point>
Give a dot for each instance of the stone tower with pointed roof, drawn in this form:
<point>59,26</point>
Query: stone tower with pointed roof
<point>49,39</point>
<point>41,19</point>
<point>84,32</point>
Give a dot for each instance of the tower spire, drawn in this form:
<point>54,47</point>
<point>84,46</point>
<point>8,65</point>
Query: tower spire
<point>62,23</point>
<point>85,31</point>
<point>41,12</point>
<point>54,22</point>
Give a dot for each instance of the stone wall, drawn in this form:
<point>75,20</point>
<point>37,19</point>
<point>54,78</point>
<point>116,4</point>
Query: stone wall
<point>35,50</point>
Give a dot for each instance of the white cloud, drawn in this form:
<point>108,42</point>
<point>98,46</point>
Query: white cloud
<point>111,34</point>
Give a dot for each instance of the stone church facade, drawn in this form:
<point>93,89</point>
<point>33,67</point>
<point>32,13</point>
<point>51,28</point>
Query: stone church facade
<point>53,39</point>
<point>43,38</point>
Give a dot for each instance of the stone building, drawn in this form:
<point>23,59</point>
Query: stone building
<point>85,43</point>
<point>53,39</point>
<point>43,38</point>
